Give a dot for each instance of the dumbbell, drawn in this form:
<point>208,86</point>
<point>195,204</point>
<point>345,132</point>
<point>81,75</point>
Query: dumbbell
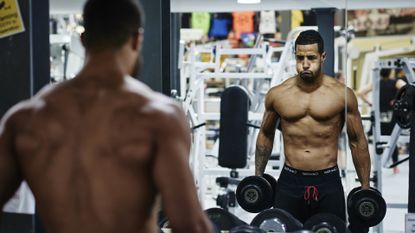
<point>246,229</point>
<point>366,207</point>
<point>255,193</point>
<point>276,220</point>
<point>326,223</point>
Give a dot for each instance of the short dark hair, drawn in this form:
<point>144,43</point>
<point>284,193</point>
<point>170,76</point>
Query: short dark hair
<point>108,24</point>
<point>310,37</point>
<point>385,73</point>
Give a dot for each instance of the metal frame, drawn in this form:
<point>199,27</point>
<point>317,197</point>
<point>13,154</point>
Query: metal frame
<point>195,98</point>
<point>387,142</point>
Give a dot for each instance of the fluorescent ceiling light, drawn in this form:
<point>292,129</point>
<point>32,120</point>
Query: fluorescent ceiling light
<point>249,1</point>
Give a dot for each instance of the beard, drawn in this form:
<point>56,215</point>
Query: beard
<point>306,75</point>
<point>309,76</point>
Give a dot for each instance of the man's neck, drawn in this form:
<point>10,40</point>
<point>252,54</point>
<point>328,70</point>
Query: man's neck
<point>104,65</point>
<point>311,85</point>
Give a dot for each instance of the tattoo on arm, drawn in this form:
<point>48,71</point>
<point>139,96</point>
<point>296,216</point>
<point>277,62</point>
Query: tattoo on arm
<point>262,155</point>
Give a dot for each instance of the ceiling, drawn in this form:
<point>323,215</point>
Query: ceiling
<point>231,5</point>
<point>66,6</point>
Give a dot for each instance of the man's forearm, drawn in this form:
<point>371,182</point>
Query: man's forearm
<point>361,160</point>
<point>262,154</point>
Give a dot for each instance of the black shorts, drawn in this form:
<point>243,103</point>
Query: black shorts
<point>305,193</point>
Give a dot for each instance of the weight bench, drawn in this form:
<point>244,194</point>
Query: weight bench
<point>233,140</point>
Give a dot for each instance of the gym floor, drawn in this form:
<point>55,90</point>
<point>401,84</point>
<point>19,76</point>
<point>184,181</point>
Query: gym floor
<point>395,190</point>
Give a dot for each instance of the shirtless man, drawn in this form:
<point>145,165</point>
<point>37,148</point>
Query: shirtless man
<point>311,108</point>
<point>98,149</point>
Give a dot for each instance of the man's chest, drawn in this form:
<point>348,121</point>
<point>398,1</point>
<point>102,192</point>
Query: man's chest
<point>319,106</point>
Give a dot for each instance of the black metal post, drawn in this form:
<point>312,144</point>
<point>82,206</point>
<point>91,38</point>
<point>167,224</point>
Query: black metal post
<point>325,23</point>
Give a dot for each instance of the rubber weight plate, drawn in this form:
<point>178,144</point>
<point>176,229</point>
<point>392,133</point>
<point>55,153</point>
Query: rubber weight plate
<point>254,194</point>
<point>246,229</point>
<point>276,220</point>
<point>374,189</point>
<point>218,217</point>
<point>326,223</point>
<point>222,219</point>
<point>367,207</point>
<point>402,113</point>
<point>273,182</point>
<point>303,231</point>
<point>353,191</point>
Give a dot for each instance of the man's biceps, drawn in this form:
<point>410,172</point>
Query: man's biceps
<point>269,121</point>
<point>265,125</point>
<point>354,128</point>
<point>350,124</point>
<point>353,114</point>
<point>168,177</point>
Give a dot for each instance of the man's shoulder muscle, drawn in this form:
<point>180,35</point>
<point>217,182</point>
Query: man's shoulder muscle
<point>19,113</point>
<point>276,93</point>
<point>165,111</point>
<point>280,88</point>
<point>335,87</point>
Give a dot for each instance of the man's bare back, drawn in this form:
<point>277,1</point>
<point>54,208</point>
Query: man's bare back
<point>88,152</point>
<point>98,150</point>
<point>310,121</point>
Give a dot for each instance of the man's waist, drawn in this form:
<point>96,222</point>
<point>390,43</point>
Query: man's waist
<point>320,172</point>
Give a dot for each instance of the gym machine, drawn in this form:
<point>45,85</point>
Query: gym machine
<point>384,145</point>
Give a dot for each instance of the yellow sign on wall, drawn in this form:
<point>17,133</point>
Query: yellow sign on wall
<point>10,18</point>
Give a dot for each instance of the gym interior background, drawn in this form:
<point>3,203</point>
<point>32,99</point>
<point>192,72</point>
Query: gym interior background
<point>194,50</point>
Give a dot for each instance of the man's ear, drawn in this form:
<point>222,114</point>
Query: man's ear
<point>83,38</point>
<point>136,40</point>
<point>323,57</point>
<point>140,39</point>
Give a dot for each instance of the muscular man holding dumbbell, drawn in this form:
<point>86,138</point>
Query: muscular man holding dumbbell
<point>311,109</point>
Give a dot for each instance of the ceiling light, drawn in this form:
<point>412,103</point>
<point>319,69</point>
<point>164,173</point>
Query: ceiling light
<point>249,1</point>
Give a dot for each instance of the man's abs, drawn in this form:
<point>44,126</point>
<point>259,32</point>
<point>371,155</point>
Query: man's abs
<point>310,159</point>
<point>309,151</point>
